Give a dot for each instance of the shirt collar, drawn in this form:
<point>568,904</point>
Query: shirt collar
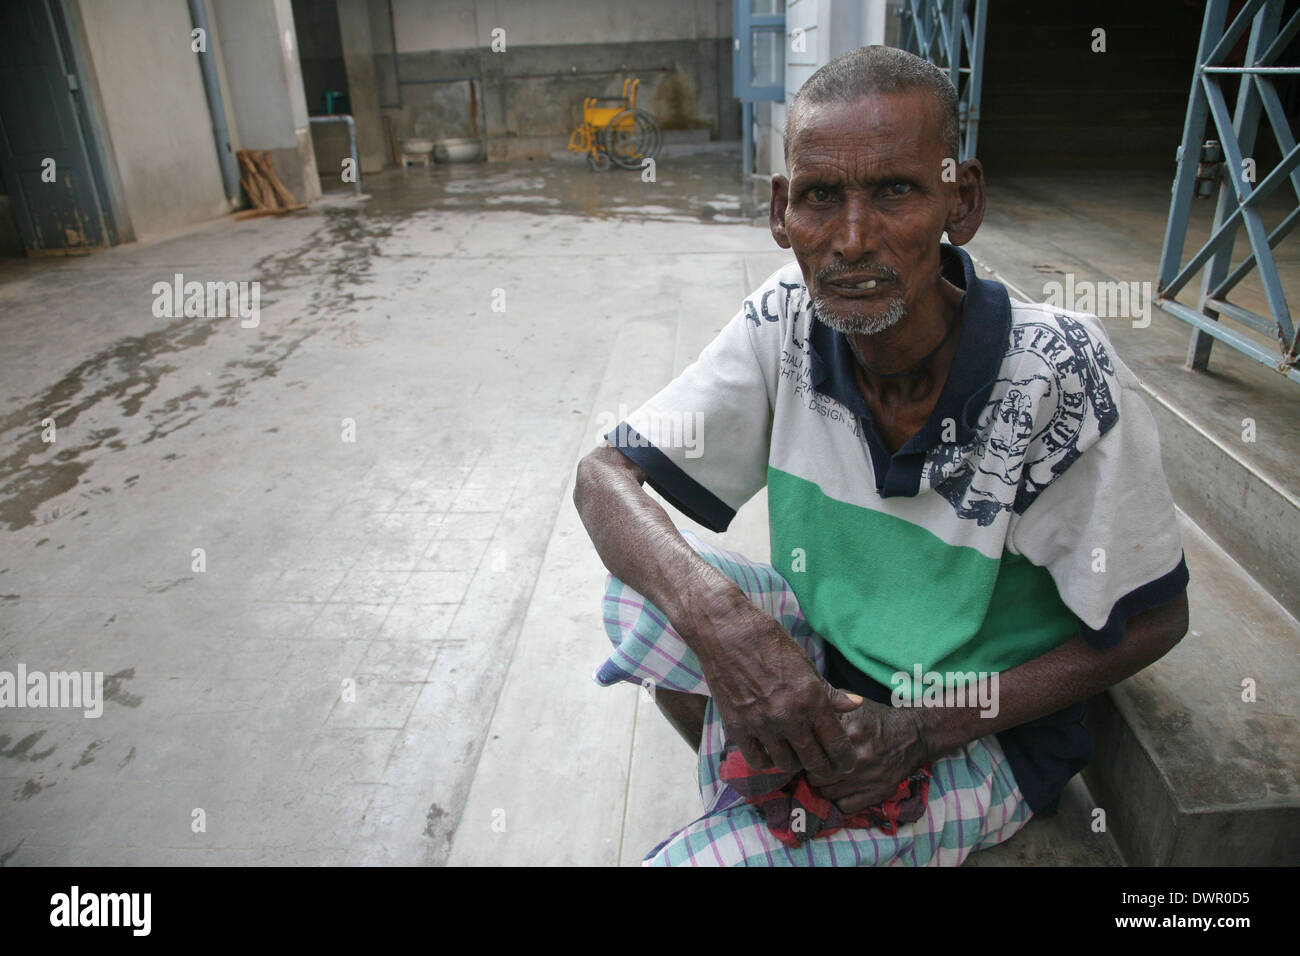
<point>981,344</point>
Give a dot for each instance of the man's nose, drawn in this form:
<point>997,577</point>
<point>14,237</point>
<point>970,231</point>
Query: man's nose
<point>856,231</point>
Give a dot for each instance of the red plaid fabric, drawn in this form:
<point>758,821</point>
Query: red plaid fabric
<point>795,812</point>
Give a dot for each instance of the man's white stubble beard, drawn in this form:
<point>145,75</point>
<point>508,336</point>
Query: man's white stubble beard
<point>858,324</point>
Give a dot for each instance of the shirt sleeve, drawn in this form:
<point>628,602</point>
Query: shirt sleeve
<point>703,440</point>
<point>1105,526</point>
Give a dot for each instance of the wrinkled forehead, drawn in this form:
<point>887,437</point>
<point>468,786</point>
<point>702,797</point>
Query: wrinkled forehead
<point>906,126</point>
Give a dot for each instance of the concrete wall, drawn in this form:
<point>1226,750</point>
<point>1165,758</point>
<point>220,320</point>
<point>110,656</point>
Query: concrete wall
<point>456,24</point>
<point>359,61</point>
<point>529,97</point>
<point>156,112</point>
<point>266,105</point>
<point>155,115</point>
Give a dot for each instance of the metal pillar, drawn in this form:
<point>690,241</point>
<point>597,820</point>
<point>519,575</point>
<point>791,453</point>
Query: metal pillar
<point>950,33</point>
<point>212,89</point>
<point>1242,191</point>
<point>748,143</point>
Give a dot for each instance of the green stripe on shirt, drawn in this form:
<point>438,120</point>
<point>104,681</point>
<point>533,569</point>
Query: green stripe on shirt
<point>946,608</point>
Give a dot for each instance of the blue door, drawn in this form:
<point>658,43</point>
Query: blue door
<point>43,152</point>
<point>757,60</point>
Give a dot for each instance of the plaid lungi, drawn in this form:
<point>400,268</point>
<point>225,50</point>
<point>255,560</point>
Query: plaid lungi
<point>974,800</point>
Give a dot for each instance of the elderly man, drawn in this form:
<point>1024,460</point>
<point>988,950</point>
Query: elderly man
<point>964,493</point>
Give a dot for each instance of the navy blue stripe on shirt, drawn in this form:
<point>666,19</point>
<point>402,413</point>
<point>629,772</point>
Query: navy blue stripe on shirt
<point>1152,594</point>
<point>682,491</point>
<point>981,347</point>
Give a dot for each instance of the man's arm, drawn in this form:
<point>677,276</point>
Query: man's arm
<point>774,704</point>
<point>892,742</point>
<point>1065,675</point>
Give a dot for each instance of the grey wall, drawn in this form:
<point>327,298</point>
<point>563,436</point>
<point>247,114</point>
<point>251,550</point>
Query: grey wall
<point>253,49</point>
<point>359,61</point>
<point>266,105</point>
<point>155,116</point>
<point>156,112</point>
<point>557,53</point>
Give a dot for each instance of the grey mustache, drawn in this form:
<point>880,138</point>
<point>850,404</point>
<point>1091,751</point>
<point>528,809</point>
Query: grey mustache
<point>832,272</point>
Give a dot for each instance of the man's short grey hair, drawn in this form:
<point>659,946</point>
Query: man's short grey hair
<point>869,70</point>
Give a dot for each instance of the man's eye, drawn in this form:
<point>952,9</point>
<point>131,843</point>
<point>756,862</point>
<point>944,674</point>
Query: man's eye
<point>898,189</point>
<point>820,194</point>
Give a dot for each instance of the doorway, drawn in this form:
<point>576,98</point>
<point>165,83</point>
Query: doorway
<point>49,154</point>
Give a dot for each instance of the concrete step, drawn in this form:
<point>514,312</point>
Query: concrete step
<point>1191,767</point>
<point>1073,837</point>
<point>1233,498</point>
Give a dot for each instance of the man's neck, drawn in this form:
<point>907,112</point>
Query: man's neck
<point>900,348</point>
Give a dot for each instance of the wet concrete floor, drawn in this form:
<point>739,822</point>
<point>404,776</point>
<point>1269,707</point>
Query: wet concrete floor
<point>299,551</point>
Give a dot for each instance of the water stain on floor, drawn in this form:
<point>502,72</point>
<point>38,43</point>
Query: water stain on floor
<point>113,689</point>
<point>22,750</point>
<point>87,755</point>
<point>118,380</point>
<point>30,789</point>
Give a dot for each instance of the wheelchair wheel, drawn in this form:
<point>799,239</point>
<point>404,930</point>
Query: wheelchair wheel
<point>630,137</point>
<point>598,160</point>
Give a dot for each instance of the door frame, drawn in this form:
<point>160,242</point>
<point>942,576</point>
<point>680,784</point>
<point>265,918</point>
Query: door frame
<point>100,200</point>
<point>92,120</point>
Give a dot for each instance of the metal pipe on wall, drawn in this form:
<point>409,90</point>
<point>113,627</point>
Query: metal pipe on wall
<point>212,88</point>
<point>352,143</point>
<point>397,76</point>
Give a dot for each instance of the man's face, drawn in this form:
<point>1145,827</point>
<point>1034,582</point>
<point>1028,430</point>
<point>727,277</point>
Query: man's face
<point>865,206</point>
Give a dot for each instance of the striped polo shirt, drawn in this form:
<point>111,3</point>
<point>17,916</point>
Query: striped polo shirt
<point>1031,506</point>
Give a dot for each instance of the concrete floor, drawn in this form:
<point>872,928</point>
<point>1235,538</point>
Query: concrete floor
<point>436,562</point>
<point>405,561</point>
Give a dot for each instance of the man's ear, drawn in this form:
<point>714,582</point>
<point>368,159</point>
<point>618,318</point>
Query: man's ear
<point>776,211</point>
<point>967,210</point>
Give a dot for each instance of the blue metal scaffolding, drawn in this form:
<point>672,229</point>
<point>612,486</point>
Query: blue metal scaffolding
<point>1229,159</point>
<point>950,34</point>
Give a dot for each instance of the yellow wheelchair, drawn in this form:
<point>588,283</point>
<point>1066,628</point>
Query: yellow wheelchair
<point>615,132</point>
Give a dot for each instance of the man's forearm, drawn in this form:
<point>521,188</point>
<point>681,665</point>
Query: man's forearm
<point>1066,675</point>
<point>775,705</point>
<point>639,545</point>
